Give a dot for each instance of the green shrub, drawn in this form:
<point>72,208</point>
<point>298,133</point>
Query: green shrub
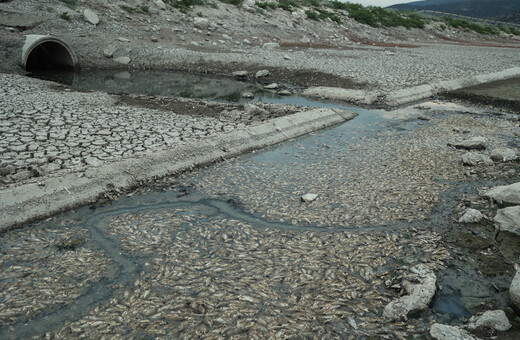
<point>312,15</point>
<point>267,5</point>
<point>482,29</point>
<point>65,16</point>
<point>70,3</point>
<point>233,2</point>
<point>443,27</point>
<point>185,5</point>
<point>510,30</point>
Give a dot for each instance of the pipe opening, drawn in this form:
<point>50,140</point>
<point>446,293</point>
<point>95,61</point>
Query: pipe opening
<point>49,55</point>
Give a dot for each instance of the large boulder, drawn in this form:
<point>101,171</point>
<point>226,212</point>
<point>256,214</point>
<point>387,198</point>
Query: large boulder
<point>505,193</point>
<point>91,17</point>
<point>419,294</point>
<point>444,332</point>
<point>514,289</point>
<point>475,158</point>
<point>474,143</point>
<point>508,219</point>
<point>491,319</point>
<point>503,155</point>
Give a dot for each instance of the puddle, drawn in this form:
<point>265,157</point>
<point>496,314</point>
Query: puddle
<point>160,83</point>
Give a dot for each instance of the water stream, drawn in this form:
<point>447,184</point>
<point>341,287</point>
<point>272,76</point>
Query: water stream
<point>369,122</point>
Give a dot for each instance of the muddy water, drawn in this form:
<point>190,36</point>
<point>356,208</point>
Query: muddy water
<point>198,207</point>
<point>160,83</point>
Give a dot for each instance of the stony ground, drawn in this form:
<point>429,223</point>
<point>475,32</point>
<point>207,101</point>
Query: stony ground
<point>231,251</point>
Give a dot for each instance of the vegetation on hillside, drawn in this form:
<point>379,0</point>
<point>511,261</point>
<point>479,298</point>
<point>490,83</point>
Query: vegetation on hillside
<point>336,10</point>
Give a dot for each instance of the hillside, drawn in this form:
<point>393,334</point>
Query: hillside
<point>488,9</point>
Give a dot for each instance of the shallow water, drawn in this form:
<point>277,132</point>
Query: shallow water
<point>160,83</point>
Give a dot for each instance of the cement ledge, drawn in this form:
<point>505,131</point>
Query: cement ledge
<point>29,202</point>
<point>406,95</point>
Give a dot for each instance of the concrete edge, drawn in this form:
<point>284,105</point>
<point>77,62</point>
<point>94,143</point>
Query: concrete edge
<point>406,95</point>
<point>416,93</point>
<point>29,202</point>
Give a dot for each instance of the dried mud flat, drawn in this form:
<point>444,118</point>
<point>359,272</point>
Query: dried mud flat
<point>230,251</point>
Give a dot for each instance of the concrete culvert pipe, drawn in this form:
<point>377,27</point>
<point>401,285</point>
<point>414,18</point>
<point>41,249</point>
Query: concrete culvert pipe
<point>45,52</point>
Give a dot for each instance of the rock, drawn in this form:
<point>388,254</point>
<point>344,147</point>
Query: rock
<point>245,41</point>
<point>109,51</point>
<point>503,155</point>
<point>444,332</point>
<point>309,197</point>
<point>91,17</point>
<point>122,60</point>
<point>270,46</point>
<point>420,294</point>
<point>201,23</point>
<point>514,289</point>
<point>160,4</point>
<point>248,95</point>
<point>508,219</point>
<point>240,74</point>
<point>253,110</point>
<point>227,37</point>
<point>505,193</point>
<point>272,86</point>
<point>123,39</point>
<point>471,216</point>
<point>474,143</point>
<point>212,26</point>
<point>284,93</point>
<point>154,39</point>
<point>262,74</point>
<point>495,319</point>
<point>475,158</point>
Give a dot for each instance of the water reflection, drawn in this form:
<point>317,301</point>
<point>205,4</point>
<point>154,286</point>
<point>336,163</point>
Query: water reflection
<point>160,83</point>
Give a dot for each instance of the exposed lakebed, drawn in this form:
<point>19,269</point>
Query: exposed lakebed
<point>231,250</point>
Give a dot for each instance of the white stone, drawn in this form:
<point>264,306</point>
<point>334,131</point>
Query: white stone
<point>122,60</point>
<point>474,143</point>
<point>270,46</point>
<point>508,219</point>
<point>309,197</point>
<point>160,4</point>
<point>272,86</point>
<point>505,193</point>
<point>123,39</point>
<point>248,95</point>
<point>109,51</point>
<point>475,158</point>
<point>444,332</point>
<point>240,74</point>
<point>503,155</point>
<point>91,16</point>
<point>495,319</point>
<point>514,289</point>
<point>471,216</point>
<point>201,23</point>
<point>420,294</point>
<point>262,73</point>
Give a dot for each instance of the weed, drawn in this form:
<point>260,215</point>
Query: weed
<point>233,2</point>
<point>70,3</point>
<point>185,5</point>
<point>443,27</point>
<point>65,16</point>
<point>199,14</point>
